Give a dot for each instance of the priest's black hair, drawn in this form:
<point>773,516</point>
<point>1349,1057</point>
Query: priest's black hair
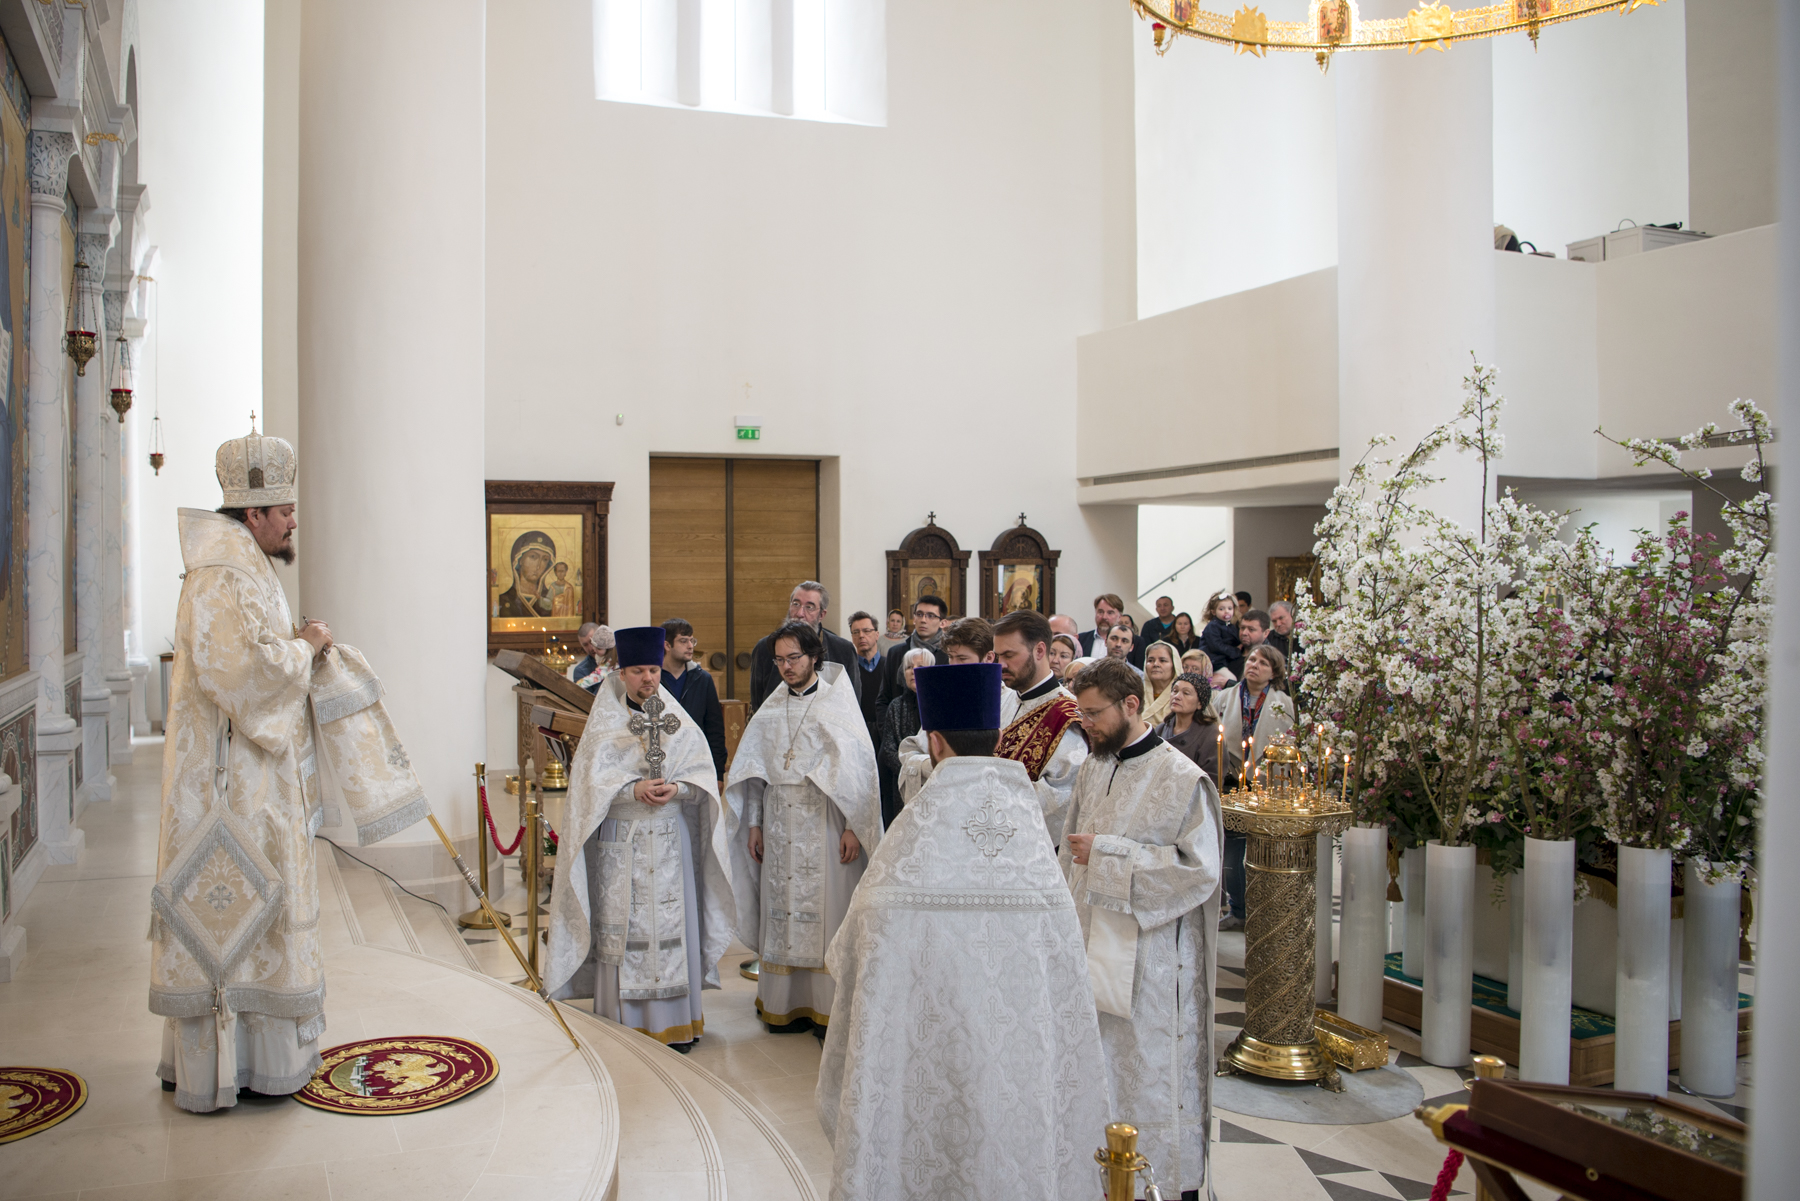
<point>975,743</point>
<point>241,516</point>
<point>805,637</point>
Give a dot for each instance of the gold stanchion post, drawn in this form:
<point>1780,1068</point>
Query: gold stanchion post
<point>534,851</point>
<point>1120,1160</point>
<point>478,919</point>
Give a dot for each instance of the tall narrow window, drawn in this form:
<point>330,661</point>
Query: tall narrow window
<point>817,60</point>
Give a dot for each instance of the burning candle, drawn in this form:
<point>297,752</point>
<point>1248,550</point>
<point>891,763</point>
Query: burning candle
<point>1344,795</point>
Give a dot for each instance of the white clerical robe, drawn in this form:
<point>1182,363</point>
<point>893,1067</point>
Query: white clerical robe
<point>1148,903</point>
<point>642,916</point>
<point>1053,785</point>
<point>235,961</point>
<point>804,771</point>
<point>965,1058</point>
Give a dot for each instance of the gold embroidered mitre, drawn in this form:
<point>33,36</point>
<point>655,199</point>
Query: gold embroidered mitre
<point>257,471</point>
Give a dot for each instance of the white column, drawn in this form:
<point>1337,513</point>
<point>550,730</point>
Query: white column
<point>391,390</point>
<point>113,671</point>
<point>95,423</point>
<point>47,430</point>
<point>1415,246</point>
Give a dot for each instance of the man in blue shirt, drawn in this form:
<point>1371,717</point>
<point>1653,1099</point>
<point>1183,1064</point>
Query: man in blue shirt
<point>865,636</point>
<point>693,686</point>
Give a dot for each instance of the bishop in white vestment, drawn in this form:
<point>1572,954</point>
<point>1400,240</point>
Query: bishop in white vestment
<point>802,814</point>
<point>253,708</point>
<point>964,1058</point>
<point>1142,851</point>
<point>644,912</point>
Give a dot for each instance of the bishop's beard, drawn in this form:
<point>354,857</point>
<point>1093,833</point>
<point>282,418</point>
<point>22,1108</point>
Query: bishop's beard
<point>285,554</point>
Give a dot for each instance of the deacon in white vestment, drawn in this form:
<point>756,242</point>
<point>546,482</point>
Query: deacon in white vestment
<point>802,814</point>
<point>235,962</point>
<point>644,912</point>
<point>964,1058</point>
<point>1142,851</point>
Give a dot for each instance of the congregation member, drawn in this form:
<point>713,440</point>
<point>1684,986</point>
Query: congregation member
<point>1281,630</point>
<point>1064,650</point>
<point>996,950</point>
<point>966,640</point>
<point>1192,726</point>
<point>802,814</point>
<point>927,634</point>
<point>899,722</point>
<point>809,603</point>
<point>1253,630</point>
<point>895,633</point>
<point>1108,608</point>
<point>865,636</point>
<point>1244,603</point>
<point>1161,666</point>
<point>1062,623</point>
<point>1158,627</point>
<point>1218,637</point>
<point>645,911</point>
<point>1039,726</point>
<point>1138,642</point>
<point>1117,645</point>
<point>1254,710</point>
<point>1197,662</point>
<point>1182,635</point>
<point>1141,852</point>
<point>694,687</point>
<point>597,641</point>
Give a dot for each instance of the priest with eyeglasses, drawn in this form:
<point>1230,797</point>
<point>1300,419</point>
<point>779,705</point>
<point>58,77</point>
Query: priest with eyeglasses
<point>802,815</point>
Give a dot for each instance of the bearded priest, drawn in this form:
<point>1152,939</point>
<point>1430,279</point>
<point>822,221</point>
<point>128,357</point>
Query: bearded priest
<point>802,813</point>
<point>235,964</point>
<point>642,917</point>
<point>964,1059</point>
<point>1039,725</point>
<point>1141,851</point>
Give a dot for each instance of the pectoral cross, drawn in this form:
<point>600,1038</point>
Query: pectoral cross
<point>651,725</point>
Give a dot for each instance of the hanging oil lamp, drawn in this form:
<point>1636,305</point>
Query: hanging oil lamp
<point>156,444</point>
<point>80,341</point>
<point>124,377</point>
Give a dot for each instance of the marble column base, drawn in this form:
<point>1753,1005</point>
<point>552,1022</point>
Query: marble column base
<point>96,781</point>
<point>118,727</point>
<point>140,704</point>
<point>59,741</point>
<point>12,951</point>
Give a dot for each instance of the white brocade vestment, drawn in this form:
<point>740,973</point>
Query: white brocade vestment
<point>644,912</point>
<point>1148,903</point>
<point>964,1059</point>
<point>235,962</point>
<point>789,905</point>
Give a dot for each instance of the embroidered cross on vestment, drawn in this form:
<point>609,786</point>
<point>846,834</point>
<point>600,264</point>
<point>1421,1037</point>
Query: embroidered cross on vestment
<point>651,725</point>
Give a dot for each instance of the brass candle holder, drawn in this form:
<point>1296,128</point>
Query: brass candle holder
<point>1282,814</point>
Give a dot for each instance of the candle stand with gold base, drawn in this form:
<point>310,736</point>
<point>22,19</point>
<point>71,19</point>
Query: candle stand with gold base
<point>1282,814</point>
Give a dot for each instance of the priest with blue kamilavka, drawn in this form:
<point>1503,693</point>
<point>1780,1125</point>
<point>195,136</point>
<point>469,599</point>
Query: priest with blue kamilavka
<point>643,911</point>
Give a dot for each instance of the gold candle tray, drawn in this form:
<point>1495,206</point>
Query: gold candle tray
<point>1350,1046</point>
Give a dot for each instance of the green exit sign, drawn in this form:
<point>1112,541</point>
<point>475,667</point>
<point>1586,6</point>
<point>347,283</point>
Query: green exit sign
<point>748,433</point>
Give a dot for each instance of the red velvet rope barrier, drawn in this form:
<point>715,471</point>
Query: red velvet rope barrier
<point>1447,1175</point>
<point>494,834</point>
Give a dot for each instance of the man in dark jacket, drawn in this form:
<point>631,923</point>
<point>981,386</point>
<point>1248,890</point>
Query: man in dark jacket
<point>865,636</point>
<point>927,633</point>
<point>694,687</point>
<point>809,602</point>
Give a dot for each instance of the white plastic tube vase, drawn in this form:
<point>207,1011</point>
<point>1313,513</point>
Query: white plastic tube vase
<point>1546,893</point>
<point>1412,888</point>
<point>1449,953</point>
<point>1641,1051</point>
<point>1362,953</point>
<point>1322,958</point>
<point>1709,987</point>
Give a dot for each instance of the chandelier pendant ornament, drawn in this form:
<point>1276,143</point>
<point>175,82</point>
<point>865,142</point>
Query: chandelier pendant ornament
<point>1335,25</point>
<point>80,341</point>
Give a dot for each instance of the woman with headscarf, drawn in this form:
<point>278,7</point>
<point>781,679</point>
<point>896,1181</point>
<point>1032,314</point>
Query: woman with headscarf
<point>1161,664</point>
<point>1192,724</point>
<point>1064,650</point>
<point>1251,712</point>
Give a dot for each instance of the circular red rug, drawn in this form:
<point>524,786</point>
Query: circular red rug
<point>404,1074</point>
<point>34,1099</point>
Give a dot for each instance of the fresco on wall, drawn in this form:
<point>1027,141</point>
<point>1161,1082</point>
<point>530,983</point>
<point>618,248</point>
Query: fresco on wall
<point>18,759</point>
<point>15,238</point>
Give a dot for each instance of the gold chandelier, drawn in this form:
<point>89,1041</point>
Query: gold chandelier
<point>1334,25</point>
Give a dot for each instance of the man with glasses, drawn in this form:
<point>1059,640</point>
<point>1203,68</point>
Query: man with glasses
<point>1141,851</point>
<point>809,602</point>
<point>694,687</point>
<point>927,632</point>
<point>802,814</point>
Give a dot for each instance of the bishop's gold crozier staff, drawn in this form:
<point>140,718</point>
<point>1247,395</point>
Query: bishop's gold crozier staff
<point>536,983</point>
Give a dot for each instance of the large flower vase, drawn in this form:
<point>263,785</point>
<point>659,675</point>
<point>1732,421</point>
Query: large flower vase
<point>1362,957</point>
<point>1709,988</point>
<point>1449,953</point>
<point>1412,888</point>
<point>1515,942</point>
<point>1322,957</point>
<point>1641,1051</point>
<point>1546,894</point>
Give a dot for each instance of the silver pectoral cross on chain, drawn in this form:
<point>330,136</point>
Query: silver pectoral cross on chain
<point>651,725</point>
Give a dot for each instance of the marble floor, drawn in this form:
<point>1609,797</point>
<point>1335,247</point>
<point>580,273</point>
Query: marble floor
<point>78,1003</point>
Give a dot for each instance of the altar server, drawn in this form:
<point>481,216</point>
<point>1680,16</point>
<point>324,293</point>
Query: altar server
<point>964,1058</point>
<point>235,964</point>
<point>802,812</point>
<point>1141,850</point>
<point>639,919</point>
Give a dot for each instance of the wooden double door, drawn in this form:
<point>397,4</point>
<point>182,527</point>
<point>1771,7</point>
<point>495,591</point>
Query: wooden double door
<point>729,539</point>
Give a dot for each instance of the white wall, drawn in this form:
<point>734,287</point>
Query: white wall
<point>1236,168</point>
<point>200,78</point>
<point>906,298</point>
<point>1592,126</point>
<point>1169,537</point>
<point>1261,534</point>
